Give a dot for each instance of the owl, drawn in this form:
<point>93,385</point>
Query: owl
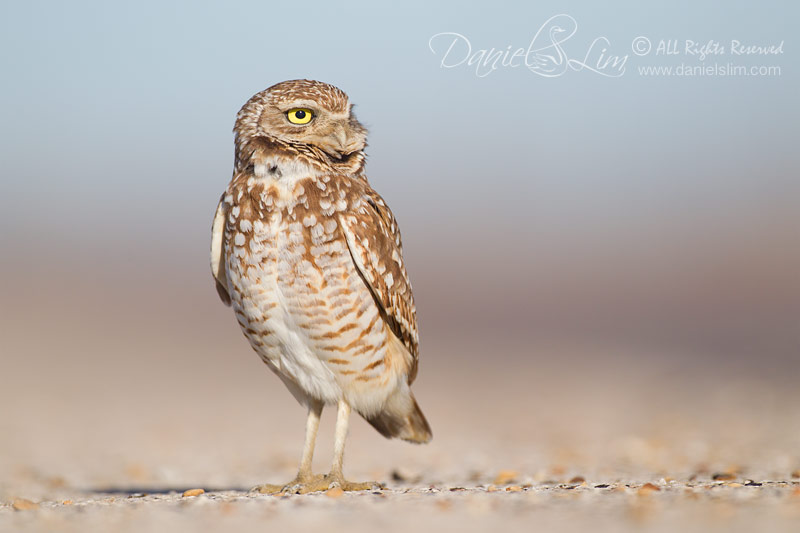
<point>309,257</point>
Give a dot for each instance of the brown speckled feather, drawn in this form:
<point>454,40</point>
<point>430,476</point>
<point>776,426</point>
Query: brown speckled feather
<point>374,241</point>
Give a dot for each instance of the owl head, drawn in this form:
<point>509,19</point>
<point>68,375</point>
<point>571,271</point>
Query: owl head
<point>303,114</point>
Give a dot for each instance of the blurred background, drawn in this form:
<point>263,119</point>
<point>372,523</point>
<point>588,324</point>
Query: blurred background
<point>607,270</point>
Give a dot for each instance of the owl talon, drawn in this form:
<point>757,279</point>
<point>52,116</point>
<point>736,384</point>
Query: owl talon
<point>268,488</point>
<point>317,484</point>
<point>351,486</point>
<point>298,485</point>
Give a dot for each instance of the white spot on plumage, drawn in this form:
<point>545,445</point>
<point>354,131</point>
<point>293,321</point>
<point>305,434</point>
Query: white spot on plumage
<point>256,247</point>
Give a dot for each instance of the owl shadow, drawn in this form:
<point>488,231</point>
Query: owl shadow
<point>141,491</point>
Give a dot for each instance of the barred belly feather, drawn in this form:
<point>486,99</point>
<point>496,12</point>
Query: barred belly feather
<point>298,296</point>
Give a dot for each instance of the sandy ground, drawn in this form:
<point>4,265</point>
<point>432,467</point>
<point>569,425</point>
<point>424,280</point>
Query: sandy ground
<point>663,506</point>
<point>611,447</point>
<point>105,424</point>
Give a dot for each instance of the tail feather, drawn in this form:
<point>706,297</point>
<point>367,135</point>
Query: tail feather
<point>402,418</point>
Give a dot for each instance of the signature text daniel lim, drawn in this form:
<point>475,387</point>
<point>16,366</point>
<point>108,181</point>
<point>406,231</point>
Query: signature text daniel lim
<point>545,55</point>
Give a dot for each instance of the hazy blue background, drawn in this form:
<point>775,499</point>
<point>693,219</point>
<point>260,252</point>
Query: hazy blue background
<point>641,211</point>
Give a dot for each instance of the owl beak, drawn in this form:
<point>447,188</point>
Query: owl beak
<point>341,136</point>
<point>339,143</point>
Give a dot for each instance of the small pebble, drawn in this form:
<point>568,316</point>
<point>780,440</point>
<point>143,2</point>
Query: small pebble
<point>514,488</point>
<point>577,479</point>
<point>21,504</point>
<point>335,492</point>
<point>193,492</point>
<point>723,476</point>
<point>647,488</point>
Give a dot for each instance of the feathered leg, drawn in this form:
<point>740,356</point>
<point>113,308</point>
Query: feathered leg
<point>305,480</point>
<point>336,476</point>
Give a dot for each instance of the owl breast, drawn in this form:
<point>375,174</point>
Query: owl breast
<point>298,296</point>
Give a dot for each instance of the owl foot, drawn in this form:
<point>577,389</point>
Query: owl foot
<point>317,483</point>
<point>333,480</point>
<point>299,485</point>
<point>268,488</point>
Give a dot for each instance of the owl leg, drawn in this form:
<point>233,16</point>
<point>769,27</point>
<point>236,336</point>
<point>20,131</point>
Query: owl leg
<point>312,425</point>
<point>305,480</point>
<point>342,427</point>
<point>336,476</point>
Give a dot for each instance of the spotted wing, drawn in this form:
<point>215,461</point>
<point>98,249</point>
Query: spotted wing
<point>374,242</point>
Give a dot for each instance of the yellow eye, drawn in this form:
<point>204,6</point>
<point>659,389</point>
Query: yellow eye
<point>299,116</point>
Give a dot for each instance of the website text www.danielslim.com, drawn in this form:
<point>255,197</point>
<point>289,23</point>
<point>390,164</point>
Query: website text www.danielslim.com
<point>714,69</point>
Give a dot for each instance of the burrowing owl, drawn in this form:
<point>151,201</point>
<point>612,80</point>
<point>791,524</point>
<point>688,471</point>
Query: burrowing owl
<point>309,257</point>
